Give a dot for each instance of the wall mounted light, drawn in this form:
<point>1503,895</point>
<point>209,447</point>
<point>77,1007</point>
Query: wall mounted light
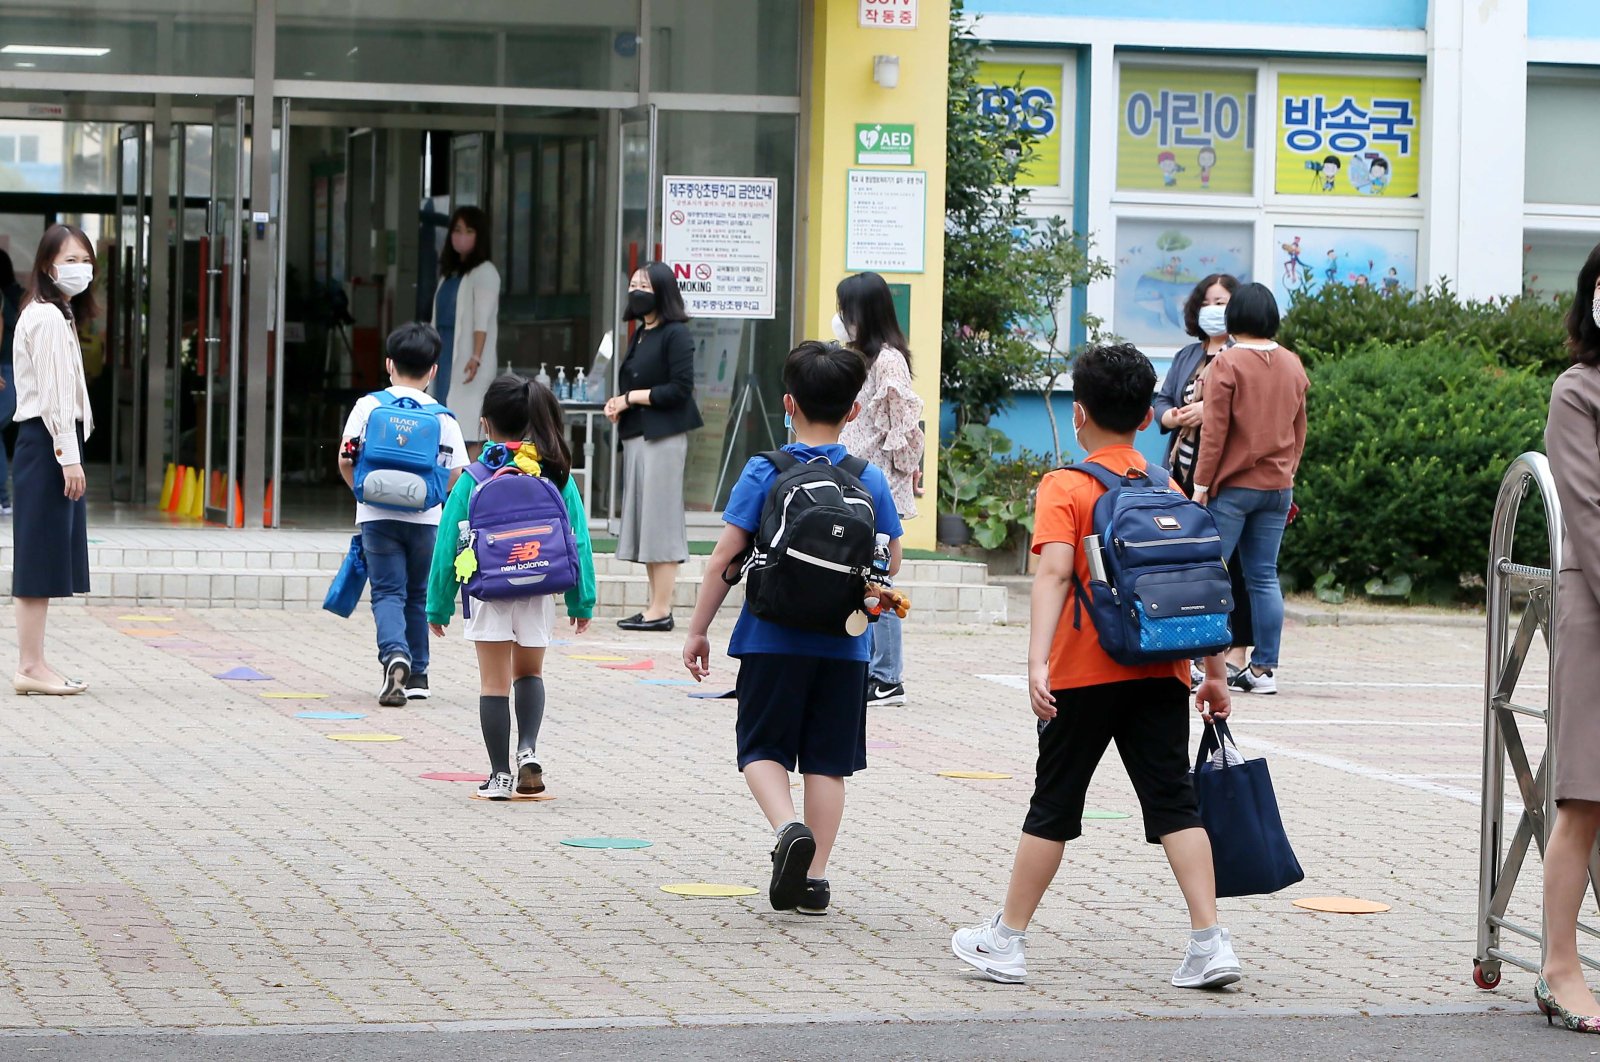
<point>886,70</point>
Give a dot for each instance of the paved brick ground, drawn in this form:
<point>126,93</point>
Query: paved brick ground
<point>181,851</point>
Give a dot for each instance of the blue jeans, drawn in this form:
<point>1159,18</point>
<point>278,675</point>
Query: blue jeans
<point>887,661</point>
<point>1252,521</point>
<point>8,411</point>
<point>398,558</point>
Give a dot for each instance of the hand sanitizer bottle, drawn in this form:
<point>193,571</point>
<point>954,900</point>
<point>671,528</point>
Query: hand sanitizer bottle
<point>543,377</point>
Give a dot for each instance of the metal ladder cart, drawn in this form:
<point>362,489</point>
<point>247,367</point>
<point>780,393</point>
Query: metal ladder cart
<point>1507,653</point>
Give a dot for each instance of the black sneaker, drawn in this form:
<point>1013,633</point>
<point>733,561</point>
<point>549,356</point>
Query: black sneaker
<point>791,858</point>
<point>396,671</point>
<point>885,695</point>
<point>417,688</point>
<point>814,901</point>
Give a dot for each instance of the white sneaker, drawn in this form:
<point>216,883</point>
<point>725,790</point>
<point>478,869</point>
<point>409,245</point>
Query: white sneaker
<point>998,960</point>
<point>1209,965</point>
<point>1245,680</point>
<point>498,787</point>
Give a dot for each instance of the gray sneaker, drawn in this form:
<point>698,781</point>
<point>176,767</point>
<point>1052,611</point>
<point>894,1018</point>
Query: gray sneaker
<point>1209,965</point>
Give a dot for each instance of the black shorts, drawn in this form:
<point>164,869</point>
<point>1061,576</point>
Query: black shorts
<point>1149,721</point>
<point>808,710</point>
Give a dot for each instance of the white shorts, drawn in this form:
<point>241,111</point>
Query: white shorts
<point>528,621</point>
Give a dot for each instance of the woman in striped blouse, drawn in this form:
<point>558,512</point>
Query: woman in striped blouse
<point>50,530</point>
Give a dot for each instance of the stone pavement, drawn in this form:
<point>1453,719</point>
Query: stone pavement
<point>179,851</point>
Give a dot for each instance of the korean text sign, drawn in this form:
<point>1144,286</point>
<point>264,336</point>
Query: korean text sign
<point>720,236</point>
<point>889,14</point>
<point>1348,135</point>
<point>1027,96</point>
<point>1187,131</point>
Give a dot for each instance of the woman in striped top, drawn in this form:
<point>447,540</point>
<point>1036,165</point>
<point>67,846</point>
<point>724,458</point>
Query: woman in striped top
<point>50,532</point>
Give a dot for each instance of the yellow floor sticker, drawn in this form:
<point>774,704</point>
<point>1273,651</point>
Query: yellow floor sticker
<point>703,889</point>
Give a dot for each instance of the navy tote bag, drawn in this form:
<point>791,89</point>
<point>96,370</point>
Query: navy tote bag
<point>344,594</point>
<point>1240,811</point>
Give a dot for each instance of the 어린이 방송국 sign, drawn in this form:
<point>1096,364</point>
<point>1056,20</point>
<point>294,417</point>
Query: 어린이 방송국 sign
<point>1341,135</point>
<point>720,236</point>
<point>1027,96</point>
<point>1186,131</point>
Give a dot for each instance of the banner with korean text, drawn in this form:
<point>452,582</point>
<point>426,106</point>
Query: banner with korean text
<point>1186,131</point>
<point>1348,135</point>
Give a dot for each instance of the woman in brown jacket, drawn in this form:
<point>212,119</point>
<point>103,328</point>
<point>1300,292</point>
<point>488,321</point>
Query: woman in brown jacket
<point>1570,440</point>
<point>1252,433</point>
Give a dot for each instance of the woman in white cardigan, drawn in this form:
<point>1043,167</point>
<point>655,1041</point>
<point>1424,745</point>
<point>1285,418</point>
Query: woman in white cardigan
<point>466,311</point>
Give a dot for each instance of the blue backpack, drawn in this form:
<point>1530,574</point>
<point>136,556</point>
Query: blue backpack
<point>402,464</point>
<point>1165,595</point>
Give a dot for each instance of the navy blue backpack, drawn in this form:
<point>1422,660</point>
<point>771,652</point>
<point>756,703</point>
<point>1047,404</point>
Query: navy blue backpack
<point>1165,595</point>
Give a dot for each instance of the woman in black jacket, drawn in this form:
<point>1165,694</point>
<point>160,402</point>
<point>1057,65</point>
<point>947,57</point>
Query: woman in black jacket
<point>654,411</point>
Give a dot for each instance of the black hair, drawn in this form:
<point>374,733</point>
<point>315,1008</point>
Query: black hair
<point>1583,335</point>
<point>414,348</point>
<point>867,309</point>
<point>1253,311</point>
<point>452,264</point>
<point>1379,161</point>
<point>1191,308</point>
<point>520,408</point>
<point>1335,160</point>
<point>669,300</point>
<point>824,379</point>
<point>81,308</point>
<point>8,273</point>
<point>1114,383</point>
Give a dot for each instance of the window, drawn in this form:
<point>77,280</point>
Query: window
<point>28,149</point>
<point>8,149</point>
<point>1187,131</point>
<point>1562,158</point>
<point>1158,263</point>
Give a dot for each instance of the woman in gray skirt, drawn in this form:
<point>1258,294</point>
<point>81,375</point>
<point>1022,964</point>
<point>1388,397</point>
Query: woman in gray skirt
<point>1569,439</point>
<point>50,531</point>
<point>654,411</point>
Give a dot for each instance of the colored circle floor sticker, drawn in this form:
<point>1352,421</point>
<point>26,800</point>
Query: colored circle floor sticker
<point>146,619</point>
<point>1341,905</point>
<point>452,776</point>
<point>606,842</point>
<point>331,715</point>
<point>1096,813</point>
<point>365,737</point>
<point>976,776</point>
<point>708,890</point>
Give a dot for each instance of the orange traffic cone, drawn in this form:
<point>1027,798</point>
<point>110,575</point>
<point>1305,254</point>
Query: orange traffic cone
<point>173,499</point>
<point>266,515</point>
<point>166,487</point>
<point>238,506</point>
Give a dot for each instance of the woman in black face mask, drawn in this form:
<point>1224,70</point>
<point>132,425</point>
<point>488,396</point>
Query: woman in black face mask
<point>654,410</point>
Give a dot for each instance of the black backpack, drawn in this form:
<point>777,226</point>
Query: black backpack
<point>812,553</point>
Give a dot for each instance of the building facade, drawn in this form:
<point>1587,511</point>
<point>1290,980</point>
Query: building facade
<point>268,182</point>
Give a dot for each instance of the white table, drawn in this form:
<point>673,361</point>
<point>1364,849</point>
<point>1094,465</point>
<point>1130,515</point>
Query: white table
<point>589,411</point>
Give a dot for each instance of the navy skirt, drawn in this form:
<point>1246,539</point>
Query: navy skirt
<point>49,533</point>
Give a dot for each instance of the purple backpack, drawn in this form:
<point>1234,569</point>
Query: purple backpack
<point>520,532</point>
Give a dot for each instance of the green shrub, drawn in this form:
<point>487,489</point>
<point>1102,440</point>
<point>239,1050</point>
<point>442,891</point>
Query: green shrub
<point>1405,449</point>
<point>1525,331</point>
<point>990,485</point>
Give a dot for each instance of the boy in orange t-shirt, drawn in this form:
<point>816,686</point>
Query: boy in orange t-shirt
<point>1085,700</point>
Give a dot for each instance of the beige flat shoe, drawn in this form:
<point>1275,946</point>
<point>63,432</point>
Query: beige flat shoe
<point>25,686</point>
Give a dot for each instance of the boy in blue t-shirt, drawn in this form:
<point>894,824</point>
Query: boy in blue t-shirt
<point>802,694</point>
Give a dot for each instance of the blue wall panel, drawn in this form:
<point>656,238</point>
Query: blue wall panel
<point>1366,14</point>
<point>1560,19</point>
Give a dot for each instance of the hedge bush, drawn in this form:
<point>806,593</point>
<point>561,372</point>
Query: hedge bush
<point>1405,449</point>
<point>1521,332</point>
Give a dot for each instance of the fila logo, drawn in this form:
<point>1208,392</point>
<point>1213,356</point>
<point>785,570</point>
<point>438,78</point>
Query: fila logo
<point>524,551</point>
<point>838,530</point>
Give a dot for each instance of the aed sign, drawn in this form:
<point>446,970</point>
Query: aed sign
<point>880,144</point>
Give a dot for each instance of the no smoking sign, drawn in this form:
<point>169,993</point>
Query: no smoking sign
<point>676,217</point>
<point>702,272</point>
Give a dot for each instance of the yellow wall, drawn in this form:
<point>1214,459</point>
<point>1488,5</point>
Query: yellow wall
<point>842,94</point>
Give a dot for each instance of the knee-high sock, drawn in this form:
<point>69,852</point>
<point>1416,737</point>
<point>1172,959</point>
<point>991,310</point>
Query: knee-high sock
<point>529,693</point>
<point>494,715</point>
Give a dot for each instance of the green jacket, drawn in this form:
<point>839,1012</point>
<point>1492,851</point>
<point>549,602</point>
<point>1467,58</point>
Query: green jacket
<point>443,589</point>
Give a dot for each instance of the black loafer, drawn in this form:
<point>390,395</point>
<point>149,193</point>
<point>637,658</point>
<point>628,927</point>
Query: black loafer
<point>639,623</point>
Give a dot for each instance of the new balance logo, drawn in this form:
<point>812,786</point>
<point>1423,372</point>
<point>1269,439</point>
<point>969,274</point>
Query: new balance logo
<point>524,551</point>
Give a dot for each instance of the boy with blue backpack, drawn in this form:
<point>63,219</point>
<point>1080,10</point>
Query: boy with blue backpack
<point>803,525</point>
<point>1130,587</point>
<point>401,454</point>
<point>514,535</point>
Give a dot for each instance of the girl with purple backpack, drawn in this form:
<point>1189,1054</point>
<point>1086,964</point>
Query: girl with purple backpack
<point>507,545</point>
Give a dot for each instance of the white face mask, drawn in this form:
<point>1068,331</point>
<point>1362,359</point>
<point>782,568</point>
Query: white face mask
<point>1214,320</point>
<point>1595,309</point>
<point>74,278</point>
<point>840,332</point>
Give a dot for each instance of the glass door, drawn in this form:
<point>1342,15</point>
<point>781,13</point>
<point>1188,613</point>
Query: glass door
<point>129,317</point>
<point>636,228</point>
<point>223,259</point>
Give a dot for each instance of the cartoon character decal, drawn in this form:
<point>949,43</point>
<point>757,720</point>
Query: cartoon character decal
<point>1206,159</point>
<point>1369,174</point>
<point>1293,267</point>
<point>1168,164</point>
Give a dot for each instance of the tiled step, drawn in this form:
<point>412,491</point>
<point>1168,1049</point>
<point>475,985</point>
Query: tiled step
<point>292,570</point>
